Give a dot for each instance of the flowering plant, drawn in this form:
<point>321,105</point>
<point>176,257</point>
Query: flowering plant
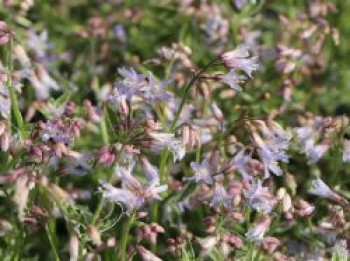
<point>174,130</point>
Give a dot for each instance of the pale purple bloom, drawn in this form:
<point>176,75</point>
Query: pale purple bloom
<point>155,91</point>
<point>233,80</point>
<point>56,133</point>
<point>119,32</point>
<point>43,83</point>
<point>308,136</point>
<point>258,230</point>
<point>241,163</point>
<point>151,172</point>
<point>315,152</point>
<point>319,188</point>
<point>124,196</point>
<point>133,195</point>
<point>239,4</point>
<point>272,147</point>
<point>216,29</point>
<point>39,44</point>
<point>161,141</point>
<point>202,172</point>
<point>79,165</point>
<point>259,198</point>
<point>240,59</point>
<point>346,151</point>
<point>220,196</point>
<point>131,83</point>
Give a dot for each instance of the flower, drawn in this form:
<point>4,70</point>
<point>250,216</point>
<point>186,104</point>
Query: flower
<point>322,190</point>
<point>257,231</point>
<point>241,163</point>
<point>131,83</point>
<point>308,136</point>
<point>132,194</point>
<point>220,196</point>
<point>151,171</point>
<point>160,141</point>
<point>239,59</point>
<point>5,33</point>
<point>154,91</point>
<point>202,172</point>
<point>259,198</point>
<point>216,29</point>
<point>39,44</point>
<point>271,148</point>
<point>233,79</point>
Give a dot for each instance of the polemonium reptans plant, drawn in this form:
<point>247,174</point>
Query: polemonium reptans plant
<point>174,130</point>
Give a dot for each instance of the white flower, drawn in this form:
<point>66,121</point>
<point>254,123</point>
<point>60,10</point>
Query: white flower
<point>322,190</point>
<point>233,79</point>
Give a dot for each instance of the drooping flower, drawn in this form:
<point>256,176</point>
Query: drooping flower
<point>151,171</point>
<point>319,188</point>
<point>240,59</point>
<point>233,80</point>
<point>258,230</point>
<point>160,141</point>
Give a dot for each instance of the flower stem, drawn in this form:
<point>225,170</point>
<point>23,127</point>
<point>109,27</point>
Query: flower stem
<point>124,238</point>
<point>184,96</point>
<point>15,112</point>
<point>52,244</point>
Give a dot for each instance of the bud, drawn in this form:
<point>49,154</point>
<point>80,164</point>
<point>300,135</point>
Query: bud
<point>94,235</point>
<point>147,255</point>
<point>5,141</point>
<point>5,33</point>
<point>73,248</point>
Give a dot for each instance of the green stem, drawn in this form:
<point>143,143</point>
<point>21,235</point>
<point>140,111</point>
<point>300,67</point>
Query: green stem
<point>52,244</point>
<point>104,130</point>
<point>162,165</point>
<point>100,201</point>
<point>125,236</point>
<point>13,98</point>
<point>184,96</point>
